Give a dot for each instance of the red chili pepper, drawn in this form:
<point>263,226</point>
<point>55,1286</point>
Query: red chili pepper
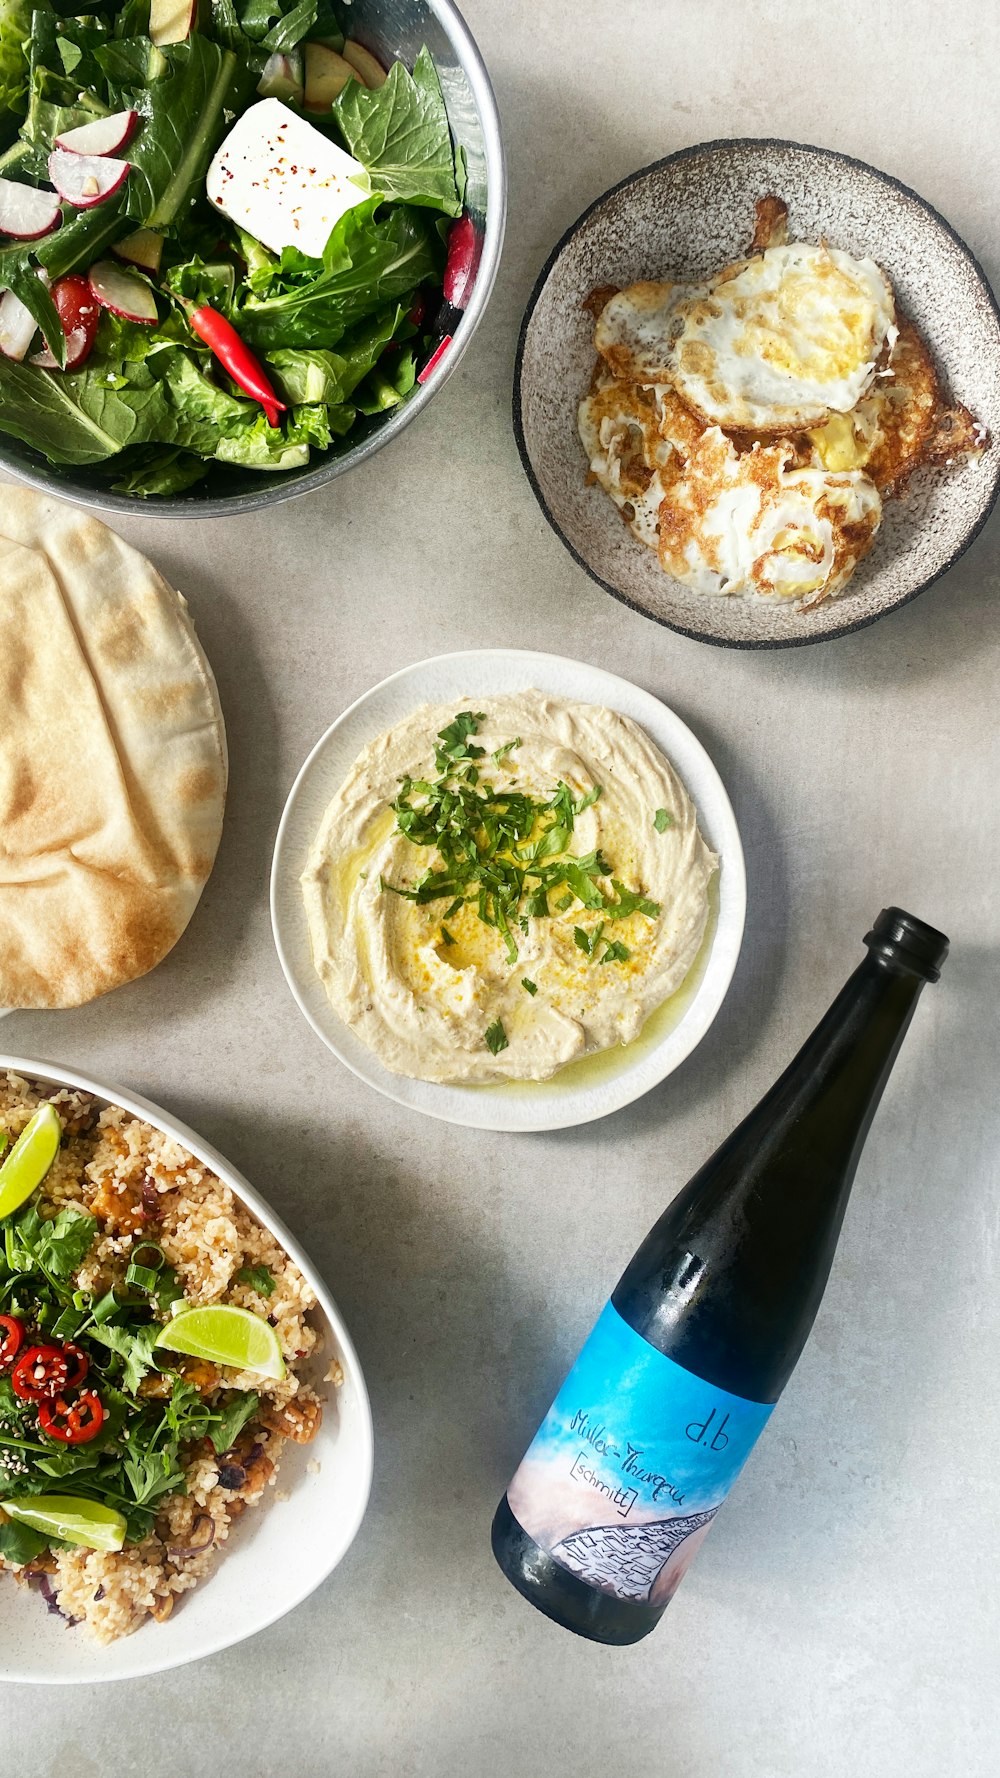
<point>244,368</point>
<point>40,1373</point>
<point>464,248</point>
<point>72,1423</point>
<point>11,1339</point>
<point>78,1370</point>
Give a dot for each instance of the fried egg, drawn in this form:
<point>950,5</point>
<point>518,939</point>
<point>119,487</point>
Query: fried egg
<point>752,523</point>
<point>781,340</point>
<point>635,331</point>
<point>619,426</point>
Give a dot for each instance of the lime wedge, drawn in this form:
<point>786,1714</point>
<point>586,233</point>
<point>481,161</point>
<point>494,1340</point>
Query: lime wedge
<point>70,1517</point>
<point>30,1159</point>
<point>225,1335</point>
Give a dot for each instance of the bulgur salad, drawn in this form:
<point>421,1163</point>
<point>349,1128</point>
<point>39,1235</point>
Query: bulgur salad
<point>152,1339</point>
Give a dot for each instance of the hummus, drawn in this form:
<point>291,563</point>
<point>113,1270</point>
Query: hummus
<point>461,951</point>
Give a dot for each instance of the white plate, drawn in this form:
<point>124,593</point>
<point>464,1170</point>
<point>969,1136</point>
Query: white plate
<point>599,1084</point>
<point>276,1555</point>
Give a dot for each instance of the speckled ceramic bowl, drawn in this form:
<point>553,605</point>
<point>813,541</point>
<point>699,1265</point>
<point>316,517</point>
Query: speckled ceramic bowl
<point>685,217</point>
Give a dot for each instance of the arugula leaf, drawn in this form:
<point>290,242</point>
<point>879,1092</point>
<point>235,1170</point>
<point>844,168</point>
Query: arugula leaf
<point>160,470</point>
<point>134,1346</point>
<point>399,132</point>
<point>15,28</point>
<point>259,1278</point>
<point>367,263</point>
<point>232,1416</point>
<point>333,376</point>
<point>662,820</point>
<point>495,1037</point>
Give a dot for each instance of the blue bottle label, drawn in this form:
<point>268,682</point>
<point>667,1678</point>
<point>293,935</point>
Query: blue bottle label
<point>630,1465</point>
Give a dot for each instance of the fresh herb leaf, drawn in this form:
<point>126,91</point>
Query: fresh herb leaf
<point>20,1543</point>
<point>134,1346</point>
<point>500,753</point>
<point>529,986</point>
<point>446,935</point>
<point>495,1038</point>
<point>662,820</point>
<point>616,953</point>
<point>399,132</point>
<point>259,1278</point>
<point>230,1420</point>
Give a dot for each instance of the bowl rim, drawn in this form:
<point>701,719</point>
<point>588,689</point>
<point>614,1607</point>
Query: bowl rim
<point>328,468</point>
<point>56,1074</point>
<point>582,1106</point>
<point>681,154</point>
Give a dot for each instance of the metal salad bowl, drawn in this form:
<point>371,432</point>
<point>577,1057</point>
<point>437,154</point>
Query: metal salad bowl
<point>391,29</point>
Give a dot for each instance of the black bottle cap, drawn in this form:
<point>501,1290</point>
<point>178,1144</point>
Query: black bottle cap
<point>910,943</point>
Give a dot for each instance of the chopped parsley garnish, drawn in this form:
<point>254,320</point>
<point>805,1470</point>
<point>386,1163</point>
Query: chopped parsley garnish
<point>495,1038</point>
<point>500,754</point>
<point>529,986</point>
<point>662,820</point>
<point>259,1278</point>
<point>502,851</point>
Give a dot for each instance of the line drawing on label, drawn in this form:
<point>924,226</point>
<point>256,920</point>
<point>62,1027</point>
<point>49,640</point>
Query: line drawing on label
<point>627,1559</point>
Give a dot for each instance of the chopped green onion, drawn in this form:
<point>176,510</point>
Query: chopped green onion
<point>142,1277</point>
<point>446,935</point>
<point>529,986</point>
<point>149,1255</point>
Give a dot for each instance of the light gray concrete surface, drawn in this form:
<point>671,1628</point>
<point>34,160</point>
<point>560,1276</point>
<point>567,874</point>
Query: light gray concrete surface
<point>843,1616</point>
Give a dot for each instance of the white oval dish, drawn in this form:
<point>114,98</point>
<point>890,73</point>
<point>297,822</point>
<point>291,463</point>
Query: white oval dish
<point>275,1556</point>
<point>597,1085</point>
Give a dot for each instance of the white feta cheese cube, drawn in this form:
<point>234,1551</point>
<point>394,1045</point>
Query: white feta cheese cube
<point>282,180</point>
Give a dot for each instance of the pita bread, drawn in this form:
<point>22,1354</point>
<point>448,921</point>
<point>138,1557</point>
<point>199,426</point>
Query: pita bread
<point>112,758</point>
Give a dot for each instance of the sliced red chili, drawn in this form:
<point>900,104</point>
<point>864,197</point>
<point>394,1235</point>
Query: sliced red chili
<point>79,1365</point>
<point>40,1373</point>
<point>72,1423</point>
<point>11,1339</point>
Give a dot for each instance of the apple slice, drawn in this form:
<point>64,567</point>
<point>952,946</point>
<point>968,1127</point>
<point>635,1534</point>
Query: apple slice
<point>144,248</point>
<point>122,292</point>
<point>327,74</point>
<point>282,78</point>
<point>26,213</point>
<point>86,179</point>
<point>368,70</point>
<point>104,136</point>
<point>171,21</point>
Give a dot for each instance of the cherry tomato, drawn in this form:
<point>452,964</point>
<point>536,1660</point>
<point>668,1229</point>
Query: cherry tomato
<point>40,1373</point>
<point>72,1423</point>
<point>79,311</point>
<point>11,1339</point>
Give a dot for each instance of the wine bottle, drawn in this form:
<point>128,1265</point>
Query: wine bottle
<point>678,1378</point>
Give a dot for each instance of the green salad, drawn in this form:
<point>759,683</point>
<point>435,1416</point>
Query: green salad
<point>227,235</point>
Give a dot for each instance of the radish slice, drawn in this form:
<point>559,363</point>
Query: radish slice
<point>26,213</point>
<point>17,326</point>
<point>122,292</point>
<point>104,136</point>
<point>77,346</point>
<point>463,261</point>
<point>85,179</point>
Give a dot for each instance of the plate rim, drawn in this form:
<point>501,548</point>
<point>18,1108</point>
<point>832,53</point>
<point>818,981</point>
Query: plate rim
<point>681,154</point>
<point>58,1074</point>
<point>477,1117</point>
